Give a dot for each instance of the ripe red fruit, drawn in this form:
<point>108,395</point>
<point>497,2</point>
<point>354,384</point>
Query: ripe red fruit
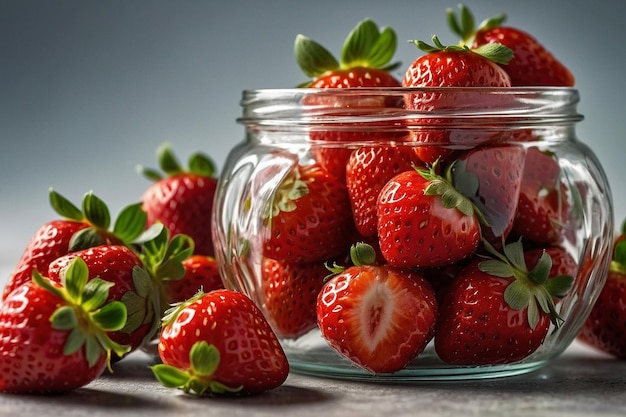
<point>219,343</point>
<point>201,273</point>
<point>499,310</point>
<point>182,200</point>
<point>368,170</point>
<point>309,218</point>
<point>78,229</point>
<point>290,295</point>
<point>53,338</point>
<point>605,328</point>
<point>532,64</point>
<point>450,66</point>
<point>131,284</point>
<point>423,221</point>
<point>379,317</point>
<point>364,62</point>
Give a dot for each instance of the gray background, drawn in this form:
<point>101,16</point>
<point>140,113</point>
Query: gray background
<point>89,89</point>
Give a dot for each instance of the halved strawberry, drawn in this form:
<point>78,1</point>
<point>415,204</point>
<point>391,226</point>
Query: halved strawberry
<point>379,317</point>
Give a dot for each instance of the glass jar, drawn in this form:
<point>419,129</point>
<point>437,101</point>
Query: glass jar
<point>520,148</point>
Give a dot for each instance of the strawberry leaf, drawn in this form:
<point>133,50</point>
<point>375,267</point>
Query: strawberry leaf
<point>168,161</point>
<point>533,315</point>
<point>96,211</point>
<point>130,223</point>
<point>496,268</point>
<point>204,358</point>
<point>362,254</point>
<point>517,295</point>
<point>559,285</point>
<point>169,376</point>
<point>64,318</point>
<point>64,207</point>
<point>201,164</point>
<point>514,252</point>
<point>111,317</point>
<point>75,340</point>
<point>95,293</point>
<point>85,238</point>
<point>540,273</point>
<point>313,58</point>
<point>358,44</point>
<point>75,277</point>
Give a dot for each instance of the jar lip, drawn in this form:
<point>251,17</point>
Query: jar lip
<point>313,106</point>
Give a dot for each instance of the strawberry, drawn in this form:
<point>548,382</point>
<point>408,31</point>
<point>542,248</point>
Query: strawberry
<point>605,327</point>
<point>450,66</point>
<point>532,64</point>
<point>132,285</point>
<point>543,209</point>
<point>201,273</point>
<point>364,62</point>
<point>423,221</point>
<point>219,343</point>
<point>78,229</point>
<point>498,310</point>
<point>290,295</point>
<point>378,317</point>
<point>498,171</point>
<point>53,337</point>
<point>368,170</point>
<point>309,217</point>
<point>182,200</point>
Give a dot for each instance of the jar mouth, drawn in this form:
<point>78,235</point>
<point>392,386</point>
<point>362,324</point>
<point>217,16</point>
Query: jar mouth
<point>404,107</point>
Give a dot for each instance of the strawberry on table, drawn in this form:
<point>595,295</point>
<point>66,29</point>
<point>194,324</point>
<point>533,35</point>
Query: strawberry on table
<point>365,62</point>
<point>131,283</point>
<point>424,221</point>
<point>290,294</point>
<point>79,228</point>
<point>499,310</point>
<point>182,199</point>
<point>309,217</point>
<point>605,328</point>
<point>377,316</point>
<point>219,343</point>
<point>532,64</point>
<point>54,337</point>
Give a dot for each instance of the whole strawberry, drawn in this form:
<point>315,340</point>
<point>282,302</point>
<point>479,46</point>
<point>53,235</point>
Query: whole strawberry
<point>378,317</point>
<point>532,64</point>
<point>364,62</point>
<point>219,343</point>
<point>182,199</point>
<point>499,310</point>
<point>290,295</point>
<point>424,221</point>
<point>604,328</point>
<point>78,229</point>
<point>131,284</point>
<point>309,217</point>
<point>450,66</point>
<point>53,337</point>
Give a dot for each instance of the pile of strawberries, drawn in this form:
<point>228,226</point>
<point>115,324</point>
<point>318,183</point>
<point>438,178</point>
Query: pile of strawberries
<point>383,248</point>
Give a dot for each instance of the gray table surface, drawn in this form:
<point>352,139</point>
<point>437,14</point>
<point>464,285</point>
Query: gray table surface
<point>581,382</point>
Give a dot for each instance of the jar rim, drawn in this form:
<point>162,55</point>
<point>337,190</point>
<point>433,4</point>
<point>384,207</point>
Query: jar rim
<point>312,106</point>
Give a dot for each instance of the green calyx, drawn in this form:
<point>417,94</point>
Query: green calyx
<point>366,45</point>
<point>199,380</point>
<point>453,191</point>
<point>532,288</point>
<point>360,254</point>
<point>618,263</point>
<point>198,163</point>
<point>495,52</point>
<point>285,198</point>
<point>464,26</point>
<point>129,227</point>
<point>86,315</point>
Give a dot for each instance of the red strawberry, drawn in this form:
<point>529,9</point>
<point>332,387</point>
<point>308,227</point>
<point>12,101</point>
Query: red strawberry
<point>368,170</point>
<point>132,285</point>
<point>79,229</point>
<point>52,337</point>
<point>423,221</point>
<point>364,63</point>
<point>605,328</point>
<point>532,64</point>
<point>379,317</point>
<point>182,200</point>
<point>450,66</point>
<point>543,208</point>
<point>290,294</point>
<point>309,218</point>
<point>498,171</point>
<point>219,342</point>
<point>201,273</point>
<point>498,311</point>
